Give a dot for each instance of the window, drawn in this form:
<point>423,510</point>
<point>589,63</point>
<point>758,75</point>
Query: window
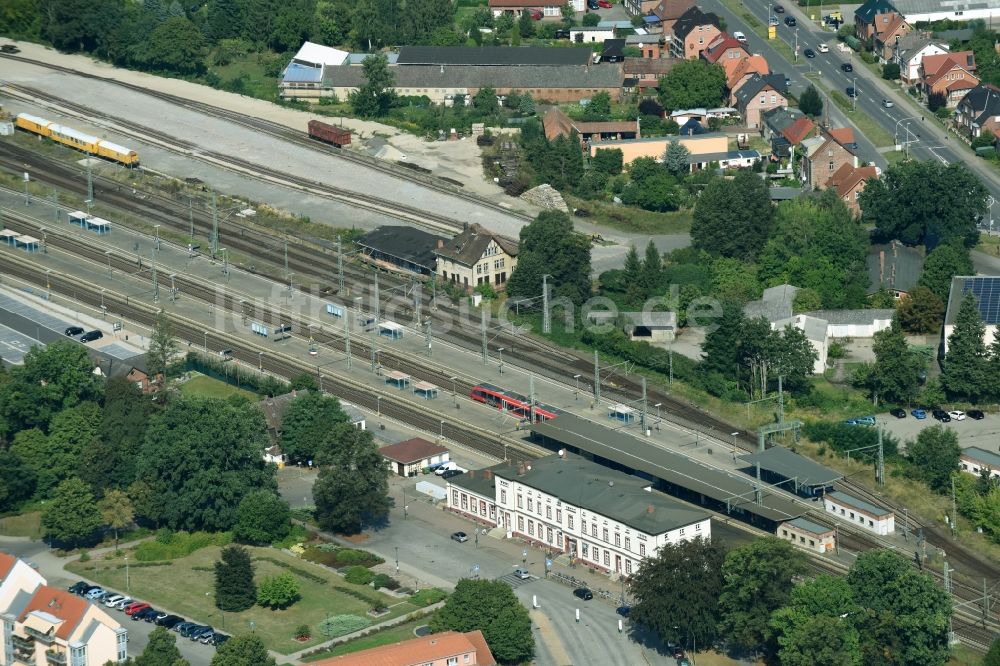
<point>697,527</point>
<point>454,497</point>
<point>503,496</point>
<point>871,523</point>
<point>465,501</point>
<point>569,521</point>
<point>530,504</point>
<point>548,513</point>
<point>520,523</point>
<point>605,533</point>
<point>583,525</point>
<point>482,507</point>
<point>763,98</point>
<point>548,534</point>
<point>784,533</point>
<point>852,515</point>
<point>628,566</point>
<point>479,269</point>
<point>618,539</point>
<point>559,516</point>
<point>593,530</point>
<point>642,550</point>
<point>830,166</point>
<point>774,99</point>
<point>812,543</point>
<point>585,549</point>
<point>520,503</point>
<point>607,558</point>
<point>628,543</point>
<point>452,661</point>
<point>78,655</point>
<point>531,527</point>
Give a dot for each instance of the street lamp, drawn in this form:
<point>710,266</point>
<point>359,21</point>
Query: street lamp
<point>854,99</point>
<point>108,253</point>
<point>404,504</point>
<point>500,351</point>
<point>477,537</point>
<point>206,342</point>
<point>454,391</point>
<point>658,405</point>
<point>156,228</point>
<point>524,556</point>
<point>734,435</point>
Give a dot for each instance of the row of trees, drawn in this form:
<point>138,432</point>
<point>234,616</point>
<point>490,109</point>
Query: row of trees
<point>883,611</point>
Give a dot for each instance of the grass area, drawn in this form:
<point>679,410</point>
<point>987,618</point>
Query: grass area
<point>207,387</point>
<point>865,123</point>
<point>401,632</point>
<point>963,656</point>
<point>23,525</point>
<point>185,586</point>
<point>760,29</point>
<point>630,218</point>
<point>247,75</point>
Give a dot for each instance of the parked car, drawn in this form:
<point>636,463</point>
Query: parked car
<point>112,599</point>
<point>79,587</point>
<point>73,330</point>
<point>181,626</point>
<point>200,631</point>
<point>604,4</point>
<point>122,604</point>
<point>678,653</point>
<point>592,4</point>
<point>95,594</point>
<point>739,36</point>
<point>583,593</point>
<point>919,414</point>
<point>898,412</point>
<point>9,48</point>
<point>523,574</point>
<point>169,621</point>
<point>88,589</point>
<point>205,638</point>
<point>135,607</point>
<point>823,48</point>
<point>809,53</point>
<point>790,21</point>
<point>91,336</point>
<point>976,414</point>
<point>778,9</point>
<point>623,610</point>
<point>562,34</point>
<point>195,629</point>
<point>452,472</point>
<point>847,67</point>
<point>887,103</point>
<point>218,639</point>
<point>143,613</point>
<point>941,416</point>
<point>444,467</point>
<point>957,415</point>
<point>773,20</point>
<point>460,537</point>
<point>158,616</point>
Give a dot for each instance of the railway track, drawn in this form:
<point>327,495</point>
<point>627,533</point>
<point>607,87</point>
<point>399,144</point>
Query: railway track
<point>450,188</point>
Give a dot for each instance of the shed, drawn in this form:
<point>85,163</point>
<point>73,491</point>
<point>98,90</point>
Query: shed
<point>408,457</point>
<point>809,535</point>
<point>390,329</point>
<point>426,390</point>
<point>974,460</point>
<point>859,512</point>
<point>781,465</point>
<point>398,379</point>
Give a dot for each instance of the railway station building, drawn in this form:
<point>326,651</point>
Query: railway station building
<point>401,249</point>
<point>598,516</point>
<point>974,460</point>
<point>796,473</point>
<point>476,256</point>
<point>409,457</point>
<point>808,535</point>
<point>859,512</point>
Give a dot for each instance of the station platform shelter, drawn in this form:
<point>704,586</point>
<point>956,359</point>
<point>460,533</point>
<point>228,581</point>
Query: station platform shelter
<point>426,390</point>
<point>398,379</point>
<point>90,222</point>
<point>390,329</point>
<point>28,243</point>
<point>782,467</point>
<point>7,236</point>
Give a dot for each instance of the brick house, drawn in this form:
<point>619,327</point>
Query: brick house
<point>143,382</point>
<point>760,94</point>
<point>648,71</point>
<point>724,47</point>
<point>651,46</point>
<point>869,14</point>
<point>692,34</point>
<point>824,154</point>
<point>910,53</point>
<point>950,74</point>
<point>849,182</point>
<point>477,256</point>
<point>668,11</point>
<point>887,36</point>
<point>739,72</point>
<point>979,111</point>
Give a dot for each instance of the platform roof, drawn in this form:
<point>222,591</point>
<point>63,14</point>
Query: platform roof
<point>634,453</point>
<point>78,215</point>
<point>8,233</point>
<point>26,240</point>
<point>425,386</point>
<point>398,376</point>
<point>98,222</point>
<point>791,465</point>
<point>390,326</point>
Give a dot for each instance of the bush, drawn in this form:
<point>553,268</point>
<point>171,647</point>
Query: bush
<point>385,581</point>
<point>278,592</point>
<point>84,556</point>
<point>890,71</point>
<point>297,534</point>
<point>428,597</point>
<point>173,545</point>
<point>341,625</point>
<point>303,631</point>
<point>359,575</point>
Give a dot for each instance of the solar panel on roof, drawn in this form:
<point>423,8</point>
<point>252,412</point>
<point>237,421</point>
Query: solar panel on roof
<point>987,293</point>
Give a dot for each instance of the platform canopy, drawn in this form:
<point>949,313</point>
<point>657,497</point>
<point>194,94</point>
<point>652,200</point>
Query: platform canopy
<point>791,465</point>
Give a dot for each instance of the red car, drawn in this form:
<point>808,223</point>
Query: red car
<point>132,609</point>
<point>604,4</point>
<point>536,14</point>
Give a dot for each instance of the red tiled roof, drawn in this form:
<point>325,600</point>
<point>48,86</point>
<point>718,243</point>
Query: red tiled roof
<point>672,9</point>
<point>67,607</point>
<point>720,45</point>
<point>936,66</point>
<point>842,135</point>
<point>963,84</point>
<point>7,563</point>
<point>848,177</point>
<point>412,450</point>
<point>882,30</point>
<point>798,130</point>
<point>745,66</point>
<point>418,651</point>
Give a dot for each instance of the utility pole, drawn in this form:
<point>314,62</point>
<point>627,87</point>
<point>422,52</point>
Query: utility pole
<point>954,509</point>
<point>531,397</point>
<point>434,293</point>
<point>347,336</point>
<point>288,276</point>
<point>191,216</point>
<point>340,267</point>
<point>374,329</point>
<point>546,315</point>
<point>156,286</point>
<point>597,380</point>
<point>90,183</point>
<point>642,415</point>
<point>214,240</point>
<point>781,400</point>
<point>378,308</point>
<point>416,292</point>
<point>482,328</point>
<point>55,205</point>
<point>949,588</point>
<point>427,335</point>
<point>986,603</point>
<point>670,359</point>
<point>880,462</point>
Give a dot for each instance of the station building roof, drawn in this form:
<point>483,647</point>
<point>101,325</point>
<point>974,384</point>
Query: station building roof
<point>791,465</point>
<point>654,462</point>
<point>496,56</point>
<point>852,501</point>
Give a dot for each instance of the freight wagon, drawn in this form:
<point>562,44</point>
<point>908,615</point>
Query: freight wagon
<point>321,131</point>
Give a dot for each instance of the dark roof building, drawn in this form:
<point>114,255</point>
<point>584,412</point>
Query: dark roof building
<point>867,12</point>
<point>491,56</point>
<point>691,19</point>
<point>778,464</point>
<point>980,108</point>
<point>757,83</point>
<point>613,51</point>
<point>406,248</point>
<point>593,77</point>
<point>895,267</point>
<point>986,291</point>
<point>468,247</point>
<point>412,450</point>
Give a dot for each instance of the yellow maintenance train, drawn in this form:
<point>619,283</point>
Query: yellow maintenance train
<point>68,136</point>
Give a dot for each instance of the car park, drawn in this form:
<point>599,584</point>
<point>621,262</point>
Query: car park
<point>73,330</point>
<point>919,414</point>
<point>957,415</point>
<point>809,53</point>
<point>790,21</point>
<point>823,48</point>
<point>583,593</point>
<point>941,416</point>
<point>460,537</point>
<point>847,67</point>
<point>898,412</point>
<point>976,414</point>
<point>523,574</point>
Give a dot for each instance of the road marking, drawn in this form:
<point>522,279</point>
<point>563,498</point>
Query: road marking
<point>550,637</point>
<point>943,160</point>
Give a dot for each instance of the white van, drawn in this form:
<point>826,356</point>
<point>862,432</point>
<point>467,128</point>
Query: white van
<point>446,467</point>
<point>739,36</point>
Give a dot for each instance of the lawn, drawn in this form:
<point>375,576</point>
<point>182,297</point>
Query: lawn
<point>630,218</point>
<point>247,75</point>
<point>207,387</point>
<point>23,525</point>
<point>395,634</point>
<point>185,586</point>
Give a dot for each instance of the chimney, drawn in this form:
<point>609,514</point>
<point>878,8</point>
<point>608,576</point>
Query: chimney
<point>881,265</point>
<point>649,509</point>
<point>440,243</point>
<point>487,474</point>
<point>520,469</point>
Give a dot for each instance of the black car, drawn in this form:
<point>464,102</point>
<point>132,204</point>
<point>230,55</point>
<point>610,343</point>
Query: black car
<point>851,91</point>
<point>898,412</point>
<point>583,593</point>
<point>169,621</point>
<point>200,631</point>
<point>9,48</point>
<point>941,416</point>
<point>451,472</point>
<point>219,639</point>
<point>78,588</point>
<point>592,4</point>
<point>87,589</point>
<point>145,614</point>
<point>809,53</point>
<point>790,21</point>
<point>91,336</point>
<point>623,610</point>
<point>73,330</point>
<point>847,67</point>
<point>778,9</point>
<point>975,414</point>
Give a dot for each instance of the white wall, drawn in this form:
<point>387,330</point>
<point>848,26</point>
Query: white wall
<point>883,526</point>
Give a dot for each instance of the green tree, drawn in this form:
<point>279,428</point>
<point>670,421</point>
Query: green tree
<point>486,101</point>
<point>691,84</point>
<point>376,94</point>
<point>652,269</point>
<point>658,193</point>
<point>590,20</point>
<point>810,103</point>
<point>758,580</point>
<point>735,280</point>
<point>424,17</point>
<point>941,265</point>
<point>201,456</point>
<point>890,71</point>
<point>303,382</point>
<point>307,418</point>
<point>817,627</point>
<point>925,203</point>
<point>675,159</point>
<point>966,361</point>
<point>676,591</point>
<point>935,455</point>
<point>607,160</point>
<point>352,489</point>
<point>243,650</point>
<point>223,20</point>
<point>162,347</point>
<point>491,607</point>
<point>72,515</point>
<point>526,107</point>
<point>920,311</point>
<point>992,657</point>
<point>278,592</point>
<point>262,518</point>
<point>17,482</point>
<point>549,245</point>
<point>116,512</point>
<point>632,277</point>
<point>234,585</point>
<point>721,349</point>
<point>526,25</point>
<point>176,45</point>
<point>895,374</point>
<point>109,461</point>
<point>733,218</point>
<point>57,456</point>
<point>599,107</point>
<point>161,650</point>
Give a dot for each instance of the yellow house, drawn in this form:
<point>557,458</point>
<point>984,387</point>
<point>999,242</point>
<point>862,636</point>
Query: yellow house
<point>476,256</point>
<point>656,146</point>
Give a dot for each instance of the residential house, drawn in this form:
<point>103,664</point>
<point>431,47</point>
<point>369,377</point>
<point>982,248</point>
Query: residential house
<point>979,111</point>
<point>477,256</point>
<point>786,129</point>
<point>447,648</point>
<point>140,378</point>
<point>18,582</point>
<point>274,409</point>
<point>910,53</point>
<point>975,460</point>
<point>887,35</point>
<point>549,8</point>
<point>894,267</point>
<point>409,457</point>
<point>950,74</point>
<point>650,45</point>
<point>873,518</point>
<point>869,14</point>
<point>849,182</point>
<point>986,290</point>
<point>667,12</point>
<point>739,72</point>
<point>692,33</point>
<point>647,72</point>
<point>45,625</point>
<point>775,121</point>
<point>725,47</point>
<point>760,94</point>
<point>556,123</point>
<point>655,147</point>
<point>400,248</point>
<point>826,152</point>
<point>603,518</point>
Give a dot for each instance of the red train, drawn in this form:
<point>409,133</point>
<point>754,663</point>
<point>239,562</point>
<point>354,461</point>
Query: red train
<point>338,136</point>
<point>508,401</point>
